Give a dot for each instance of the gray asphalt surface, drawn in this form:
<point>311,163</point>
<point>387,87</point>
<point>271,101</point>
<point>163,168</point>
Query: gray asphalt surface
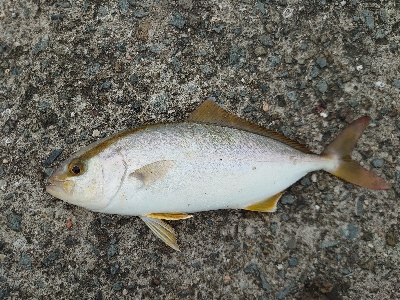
<point>74,71</point>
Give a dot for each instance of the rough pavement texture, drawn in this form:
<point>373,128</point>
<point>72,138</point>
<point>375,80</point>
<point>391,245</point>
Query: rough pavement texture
<point>74,71</point>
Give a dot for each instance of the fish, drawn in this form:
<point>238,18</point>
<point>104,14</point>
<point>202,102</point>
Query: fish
<point>212,160</point>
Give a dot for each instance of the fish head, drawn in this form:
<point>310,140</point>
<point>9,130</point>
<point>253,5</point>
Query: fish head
<point>90,182</point>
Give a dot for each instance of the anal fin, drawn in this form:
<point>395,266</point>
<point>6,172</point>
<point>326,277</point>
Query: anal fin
<point>267,205</point>
<point>169,216</point>
<point>162,230</point>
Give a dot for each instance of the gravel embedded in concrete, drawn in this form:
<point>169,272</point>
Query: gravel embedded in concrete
<point>72,72</point>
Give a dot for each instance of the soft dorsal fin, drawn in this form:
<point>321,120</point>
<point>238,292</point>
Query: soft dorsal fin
<point>210,113</point>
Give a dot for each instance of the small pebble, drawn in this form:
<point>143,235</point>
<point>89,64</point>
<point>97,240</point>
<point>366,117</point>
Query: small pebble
<point>393,47</point>
<point>133,79</point>
<point>159,101</point>
<point>396,83</point>
<point>379,35</point>
<point>266,40</point>
<point>349,231</point>
<point>377,162</point>
<point>111,251</point>
<point>313,176</point>
<point>57,17</point>
<point>353,102</point>
<point>123,4</point>
<point>41,45</point>
<point>360,206</point>
<point>235,55</point>
<point>117,286</point>
<point>291,243</point>
<point>51,257</point>
<point>273,227</point>
<point>287,199</point>
<point>177,20</point>
<point>327,244</point>
<point>25,261</point>
<point>261,7</point>
<point>14,222</point>
<point>292,95</point>
<point>48,171</point>
<point>293,262</point>
<point>206,70</point>
<point>305,181</point>
<point>259,51</point>
<point>314,72</point>
<point>346,271</point>
<point>140,13</point>
<point>218,28</point>
<point>265,108</point>
<point>282,294</point>
<point>329,197</point>
<point>369,19</point>
<point>322,86</point>
<point>106,85</point>
<point>114,269</point>
<point>264,283</point>
<point>273,60</point>
<point>95,133</point>
<point>391,238</point>
<point>321,62</point>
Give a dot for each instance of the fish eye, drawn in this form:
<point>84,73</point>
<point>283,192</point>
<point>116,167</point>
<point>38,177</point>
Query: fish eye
<point>76,168</point>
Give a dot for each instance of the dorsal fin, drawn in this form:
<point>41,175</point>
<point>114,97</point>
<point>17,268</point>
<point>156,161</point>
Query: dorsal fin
<point>210,113</point>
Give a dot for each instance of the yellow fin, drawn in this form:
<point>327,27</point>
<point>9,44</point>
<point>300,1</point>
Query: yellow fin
<point>162,230</point>
<point>153,172</point>
<point>169,216</point>
<point>210,113</point>
<point>267,205</point>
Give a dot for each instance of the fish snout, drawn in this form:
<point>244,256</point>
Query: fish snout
<point>58,187</point>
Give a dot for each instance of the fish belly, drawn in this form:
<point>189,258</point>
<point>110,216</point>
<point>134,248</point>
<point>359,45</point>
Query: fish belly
<point>213,168</point>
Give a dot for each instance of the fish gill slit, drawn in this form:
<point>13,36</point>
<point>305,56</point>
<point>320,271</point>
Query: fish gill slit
<point>124,175</point>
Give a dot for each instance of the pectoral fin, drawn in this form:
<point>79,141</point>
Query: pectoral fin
<point>162,230</point>
<point>169,216</point>
<point>267,205</point>
<point>153,172</point>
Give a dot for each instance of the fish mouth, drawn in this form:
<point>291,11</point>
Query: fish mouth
<point>59,188</point>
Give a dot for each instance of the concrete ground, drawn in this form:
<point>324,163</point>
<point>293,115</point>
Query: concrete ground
<point>74,71</point>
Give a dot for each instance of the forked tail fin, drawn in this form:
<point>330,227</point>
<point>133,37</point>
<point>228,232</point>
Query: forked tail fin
<point>348,169</point>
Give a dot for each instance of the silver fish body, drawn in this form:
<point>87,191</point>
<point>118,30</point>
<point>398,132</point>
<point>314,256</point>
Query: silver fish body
<point>202,167</point>
<point>214,160</point>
